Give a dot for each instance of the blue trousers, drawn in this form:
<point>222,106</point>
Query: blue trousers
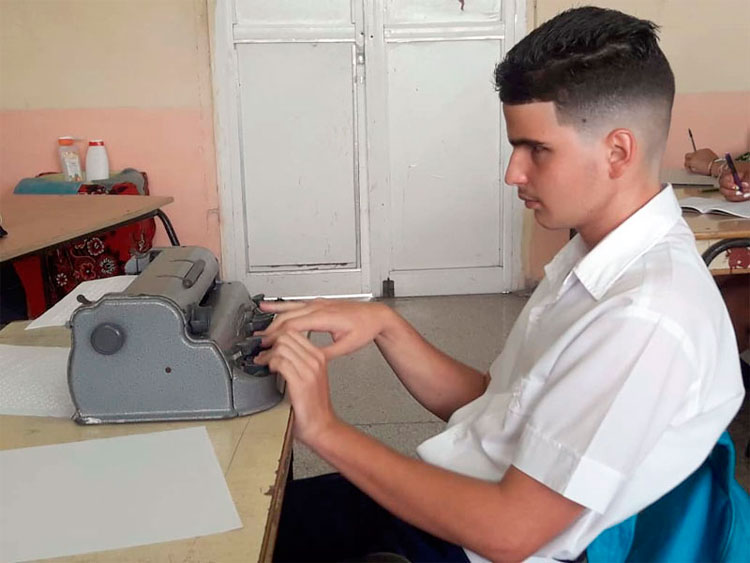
<point>326,518</point>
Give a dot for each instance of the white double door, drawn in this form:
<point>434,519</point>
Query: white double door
<point>362,140</point>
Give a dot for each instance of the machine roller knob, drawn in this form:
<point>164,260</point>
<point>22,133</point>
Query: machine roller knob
<point>107,338</point>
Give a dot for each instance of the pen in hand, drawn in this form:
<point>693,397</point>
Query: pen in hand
<point>733,170</point>
<point>692,140</point>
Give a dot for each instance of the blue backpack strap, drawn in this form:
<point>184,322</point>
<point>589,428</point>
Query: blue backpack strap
<point>704,518</point>
<point>737,540</point>
<point>613,544</point>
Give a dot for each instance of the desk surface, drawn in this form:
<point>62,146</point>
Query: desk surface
<point>712,226</point>
<point>34,222</point>
<point>253,451</point>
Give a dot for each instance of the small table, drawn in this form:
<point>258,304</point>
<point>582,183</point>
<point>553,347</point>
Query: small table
<point>35,222</point>
<point>254,453</point>
<point>711,228</point>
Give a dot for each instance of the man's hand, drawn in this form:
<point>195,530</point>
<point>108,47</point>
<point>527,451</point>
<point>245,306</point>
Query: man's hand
<point>303,366</point>
<point>700,161</point>
<point>351,325</point>
<point>440,383</point>
<point>729,189</point>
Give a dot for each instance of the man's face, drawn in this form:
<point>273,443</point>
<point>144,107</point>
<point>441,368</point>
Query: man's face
<point>558,172</point>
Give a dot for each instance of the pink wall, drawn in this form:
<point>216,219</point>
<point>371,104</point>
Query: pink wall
<point>174,146</point>
<point>719,121</point>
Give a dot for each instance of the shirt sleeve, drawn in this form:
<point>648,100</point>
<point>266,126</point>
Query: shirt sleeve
<point>606,401</point>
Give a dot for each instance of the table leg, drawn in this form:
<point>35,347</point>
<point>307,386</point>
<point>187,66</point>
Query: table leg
<point>168,227</point>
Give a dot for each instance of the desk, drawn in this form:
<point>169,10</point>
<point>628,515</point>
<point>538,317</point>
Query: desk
<point>710,228</point>
<point>254,452</point>
<point>35,222</point>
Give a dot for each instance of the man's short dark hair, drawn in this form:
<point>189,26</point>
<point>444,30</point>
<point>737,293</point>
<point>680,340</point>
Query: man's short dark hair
<point>591,62</point>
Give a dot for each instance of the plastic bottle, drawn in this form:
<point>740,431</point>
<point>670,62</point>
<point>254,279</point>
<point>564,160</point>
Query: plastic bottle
<point>70,162</point>
<point>97,163</point>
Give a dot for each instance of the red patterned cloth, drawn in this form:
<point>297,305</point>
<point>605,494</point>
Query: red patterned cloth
<point>738,258</point>
<point>47,276</point>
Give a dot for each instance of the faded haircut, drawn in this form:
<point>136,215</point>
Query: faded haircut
<point>597,66</point>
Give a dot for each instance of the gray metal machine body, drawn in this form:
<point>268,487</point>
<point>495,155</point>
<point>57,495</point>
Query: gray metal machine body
<point>177,344</point>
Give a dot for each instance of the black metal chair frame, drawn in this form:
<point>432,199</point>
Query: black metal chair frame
<point>710,254</point>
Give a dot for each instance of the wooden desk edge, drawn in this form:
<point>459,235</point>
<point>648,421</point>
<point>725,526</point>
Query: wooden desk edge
<point>277,498</point>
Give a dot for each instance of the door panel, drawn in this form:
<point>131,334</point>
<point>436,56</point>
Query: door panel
<point>298,155</point>
<point>444,153</point>
<point>448,224</point>
<point>298,85</point>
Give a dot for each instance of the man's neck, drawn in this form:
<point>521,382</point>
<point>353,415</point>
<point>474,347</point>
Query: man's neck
<point>629,196</point>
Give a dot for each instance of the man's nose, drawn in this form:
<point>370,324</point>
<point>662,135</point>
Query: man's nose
<point>515,174</point>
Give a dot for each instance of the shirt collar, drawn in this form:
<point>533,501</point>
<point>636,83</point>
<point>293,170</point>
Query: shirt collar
<point>600,267</point>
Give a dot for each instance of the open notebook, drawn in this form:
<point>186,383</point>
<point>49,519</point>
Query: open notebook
<point>714,205</point>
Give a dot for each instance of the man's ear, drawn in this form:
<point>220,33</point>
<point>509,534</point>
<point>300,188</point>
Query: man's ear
<point>621,148</point>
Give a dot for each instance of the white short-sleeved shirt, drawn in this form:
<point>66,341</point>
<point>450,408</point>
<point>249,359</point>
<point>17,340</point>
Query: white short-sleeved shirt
<point>615,382</point>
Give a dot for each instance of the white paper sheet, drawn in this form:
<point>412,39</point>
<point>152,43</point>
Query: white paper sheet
<point>112,493</point>
<point>34,381</point>
<point>92,290</point>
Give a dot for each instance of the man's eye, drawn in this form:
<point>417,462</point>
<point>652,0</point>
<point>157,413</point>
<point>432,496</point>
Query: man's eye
<point>536,149</point>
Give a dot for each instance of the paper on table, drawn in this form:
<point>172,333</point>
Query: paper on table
<point>112,493</point>
<point>716,205</point>
<point>61,312</point>
<point>34,381</point>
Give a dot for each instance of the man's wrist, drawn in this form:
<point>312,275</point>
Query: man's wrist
<point>326,436</point>
<point>387,319</point>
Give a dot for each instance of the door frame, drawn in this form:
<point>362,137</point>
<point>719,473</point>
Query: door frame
<point>374,222</point>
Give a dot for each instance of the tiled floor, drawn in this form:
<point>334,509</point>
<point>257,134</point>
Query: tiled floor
<point>471,328</point>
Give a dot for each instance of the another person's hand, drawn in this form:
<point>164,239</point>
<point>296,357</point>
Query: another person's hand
<point>303,367</point>
<point>700,161</point>
<point>351,324</point>
<point>730,190</point>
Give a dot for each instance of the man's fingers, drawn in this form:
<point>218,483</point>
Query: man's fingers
<point>272,333</point>
<point>295,344</point>
<point>286,368</point>
<point>281,320</point>
<point>285,356</point>
<point>318,322</point>
<point>329,352</point>
<point>310,319</point>
<point>309,348</point>
<point>338,348</point>
<point>280,306</point>
<point>284,306</point>
<point>296,348</point>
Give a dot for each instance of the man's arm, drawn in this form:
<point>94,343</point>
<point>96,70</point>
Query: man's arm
<point>506,521</point>
<point>440,383</point>
<point>503,521</point>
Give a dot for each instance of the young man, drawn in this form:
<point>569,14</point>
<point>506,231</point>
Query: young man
<point>616,380</point>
